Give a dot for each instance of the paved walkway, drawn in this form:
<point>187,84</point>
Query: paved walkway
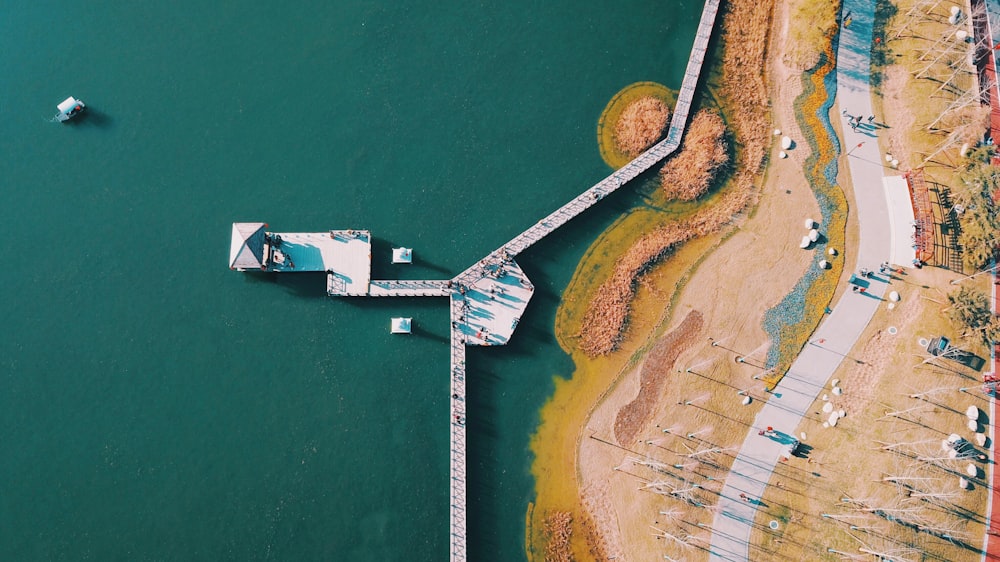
<point>835,337</point>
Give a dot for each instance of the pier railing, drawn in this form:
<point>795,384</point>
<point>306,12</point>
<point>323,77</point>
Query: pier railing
<point>457,455</point>
<point>633,169</point>
<point>409,288</point>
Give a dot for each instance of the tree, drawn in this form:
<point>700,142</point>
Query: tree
<point>980,237</point>
<point>970,309</point>
<point>977,193</point>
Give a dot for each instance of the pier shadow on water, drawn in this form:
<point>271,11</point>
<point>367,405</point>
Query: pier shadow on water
<point>310,285</point>
<point>421,332</point>
<point>484,476</point>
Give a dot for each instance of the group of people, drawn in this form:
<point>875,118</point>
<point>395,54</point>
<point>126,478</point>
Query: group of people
<point>855,120</point>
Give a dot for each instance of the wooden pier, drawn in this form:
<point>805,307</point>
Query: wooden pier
<point>456,454</point>
<point>408,288</point>
<point>487,299</point>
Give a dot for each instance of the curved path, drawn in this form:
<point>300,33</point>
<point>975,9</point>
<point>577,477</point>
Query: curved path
<point>807,376</point>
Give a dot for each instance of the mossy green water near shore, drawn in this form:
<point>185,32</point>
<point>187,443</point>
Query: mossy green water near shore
<point>556,441</point>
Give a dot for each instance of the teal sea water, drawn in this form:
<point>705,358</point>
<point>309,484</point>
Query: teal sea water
<point>155,405</point>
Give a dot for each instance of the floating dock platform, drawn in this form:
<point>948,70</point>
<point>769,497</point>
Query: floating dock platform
<point>345,255</point>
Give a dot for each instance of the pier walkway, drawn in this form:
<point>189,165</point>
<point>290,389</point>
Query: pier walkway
<point>487,299</point>
<point>456,455</point>
<point>503,257</point>
<point>642,163</point>
<point>408,288</point>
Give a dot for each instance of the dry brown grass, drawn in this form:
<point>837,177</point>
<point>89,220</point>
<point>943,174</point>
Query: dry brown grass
<point>688,174</point>
<point>558,530</point>
<point>814,24</point>
<point>929,123</point>
<point>746,27</point>
<point>607,142</point>
<point>640,125</point>
<point>855,459</point>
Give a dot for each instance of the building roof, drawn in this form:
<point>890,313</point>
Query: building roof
<point>246,251</point>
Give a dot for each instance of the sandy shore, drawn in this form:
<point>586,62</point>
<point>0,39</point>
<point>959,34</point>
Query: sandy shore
<point>693,354</point>
<point>724,298</point>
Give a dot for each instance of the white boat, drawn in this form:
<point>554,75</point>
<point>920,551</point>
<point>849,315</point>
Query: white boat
<point>69,108</point>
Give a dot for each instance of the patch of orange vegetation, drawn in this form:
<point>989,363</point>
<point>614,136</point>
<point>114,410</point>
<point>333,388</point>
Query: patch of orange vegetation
<point>640,125</point>
<point>688,174</point>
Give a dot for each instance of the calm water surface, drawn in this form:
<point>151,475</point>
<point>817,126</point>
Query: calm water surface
<point>155,405</point>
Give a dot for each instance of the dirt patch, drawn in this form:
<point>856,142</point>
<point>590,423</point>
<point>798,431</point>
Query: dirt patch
<point>635,416</point>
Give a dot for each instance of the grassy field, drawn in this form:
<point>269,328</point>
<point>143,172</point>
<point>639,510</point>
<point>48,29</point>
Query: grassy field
<point>928,90</point>
<point>880,479</point>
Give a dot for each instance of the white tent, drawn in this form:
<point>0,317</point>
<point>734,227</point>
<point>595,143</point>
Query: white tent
<point>246,251</point>
<point>401,325</point>
<point>402,255</point>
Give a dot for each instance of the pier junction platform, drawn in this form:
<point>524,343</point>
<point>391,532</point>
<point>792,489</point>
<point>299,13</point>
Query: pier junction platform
<point>486,300</point>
